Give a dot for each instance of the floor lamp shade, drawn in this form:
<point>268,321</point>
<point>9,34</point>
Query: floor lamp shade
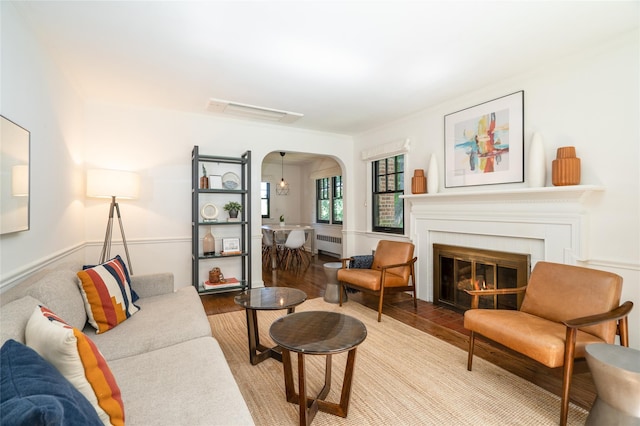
<point>103,183</point>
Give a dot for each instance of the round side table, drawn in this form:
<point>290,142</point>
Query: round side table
<point>332,290</point>
<point>616,374</point>
<point>266,299</point>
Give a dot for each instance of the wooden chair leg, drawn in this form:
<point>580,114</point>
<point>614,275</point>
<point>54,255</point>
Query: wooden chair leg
<point>569,352</point>
<point>413,281</point>
<point>340,290</point>
<point>380,301</point>
<point>472,339</point>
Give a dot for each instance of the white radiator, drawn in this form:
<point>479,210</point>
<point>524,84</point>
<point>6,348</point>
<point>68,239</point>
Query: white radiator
<point>329,244</point>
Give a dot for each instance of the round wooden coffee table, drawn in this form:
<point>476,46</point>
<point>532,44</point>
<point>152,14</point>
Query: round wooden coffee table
<point>317,333</point>
<point>266,299</point>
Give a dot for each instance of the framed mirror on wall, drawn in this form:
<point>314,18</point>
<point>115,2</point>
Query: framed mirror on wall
<point>14,177</point>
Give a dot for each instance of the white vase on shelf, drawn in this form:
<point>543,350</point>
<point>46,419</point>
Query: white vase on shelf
<point>536,162</point>
<point>432,175</point>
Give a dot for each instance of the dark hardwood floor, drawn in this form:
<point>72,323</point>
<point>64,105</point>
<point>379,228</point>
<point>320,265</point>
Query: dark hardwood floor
<point>438,321</point>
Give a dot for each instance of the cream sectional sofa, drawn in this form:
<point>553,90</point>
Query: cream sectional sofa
<point>169,368</point>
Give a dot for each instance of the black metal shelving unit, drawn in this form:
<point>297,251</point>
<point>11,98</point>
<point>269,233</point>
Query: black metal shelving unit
<point>239,263</point>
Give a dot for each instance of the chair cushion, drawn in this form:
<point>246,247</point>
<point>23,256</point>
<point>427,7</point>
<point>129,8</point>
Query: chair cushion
<point>369,278</point>
<point>78,359</point>
<point>33,392</point>
<point>106,290</point>
<point>535,337</point>
<point>590,291</point>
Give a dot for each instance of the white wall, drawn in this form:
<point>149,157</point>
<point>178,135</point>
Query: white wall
<point>157,143</point>
<point>590,101</point>
<point>36,96</point>
<point>69,134</point>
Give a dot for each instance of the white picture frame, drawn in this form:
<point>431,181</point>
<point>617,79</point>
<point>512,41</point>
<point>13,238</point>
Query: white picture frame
<point>231,246</point>
<point>215,182</point>
<point>484,144</point>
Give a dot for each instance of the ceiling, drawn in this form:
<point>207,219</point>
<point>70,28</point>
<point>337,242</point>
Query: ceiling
<point>348,66</point>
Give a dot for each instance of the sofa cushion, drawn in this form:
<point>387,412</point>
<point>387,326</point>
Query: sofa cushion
<point>14,317</point>
<point>106,290</point>
<point>33,392</point>
<point>163,320</point>
<point>59,292</point>
<point>189,383</point>
<point>79,360</point>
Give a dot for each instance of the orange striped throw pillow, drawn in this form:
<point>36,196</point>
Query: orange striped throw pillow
<point>106,290</point>
<point>78,359</point>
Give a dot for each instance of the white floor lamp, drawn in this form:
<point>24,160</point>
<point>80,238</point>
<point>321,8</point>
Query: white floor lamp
<point>103,183</point>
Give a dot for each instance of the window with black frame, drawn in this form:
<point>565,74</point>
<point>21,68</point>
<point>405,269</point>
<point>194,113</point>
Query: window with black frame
<point>336,211</point>
<point>329,200</point>
<point>265,199</point>
<point>323,200</point>
<point>388,187</point>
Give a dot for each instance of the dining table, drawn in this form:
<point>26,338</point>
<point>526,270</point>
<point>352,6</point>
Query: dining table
<point>286,229</point>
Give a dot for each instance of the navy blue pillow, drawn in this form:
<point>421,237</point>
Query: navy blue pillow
<point>361,262</point>
<point>33,392</point>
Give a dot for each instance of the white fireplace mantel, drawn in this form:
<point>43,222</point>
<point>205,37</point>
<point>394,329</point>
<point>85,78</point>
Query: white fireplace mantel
<point>548,223</point>
<point>577,193</point>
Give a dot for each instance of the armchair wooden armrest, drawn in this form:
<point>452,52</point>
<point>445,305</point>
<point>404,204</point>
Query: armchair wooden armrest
<point>475,294</point>
<point>615,314</point>
<point>344,261</point>
<point>409,263</point>
<point>619,313</point>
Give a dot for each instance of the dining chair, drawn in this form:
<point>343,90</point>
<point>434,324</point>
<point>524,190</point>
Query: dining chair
<point>267,247</point>
<point>293,252</point>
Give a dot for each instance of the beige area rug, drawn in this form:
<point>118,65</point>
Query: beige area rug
<point>402,377</point>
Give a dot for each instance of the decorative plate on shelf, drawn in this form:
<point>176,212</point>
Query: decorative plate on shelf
<point>209,212</point>
<point>230,180</point>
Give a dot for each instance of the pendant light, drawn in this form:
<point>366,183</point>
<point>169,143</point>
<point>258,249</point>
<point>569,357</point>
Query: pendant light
<point>283,187</point>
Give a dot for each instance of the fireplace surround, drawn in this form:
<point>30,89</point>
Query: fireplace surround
<point>549,223</point>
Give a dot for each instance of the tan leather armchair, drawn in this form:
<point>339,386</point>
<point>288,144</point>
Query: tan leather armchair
<point>564,309</point>
<point>392,270</point>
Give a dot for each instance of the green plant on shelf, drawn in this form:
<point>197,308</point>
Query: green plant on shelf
<point>281,218</point>
<point>233,205</point>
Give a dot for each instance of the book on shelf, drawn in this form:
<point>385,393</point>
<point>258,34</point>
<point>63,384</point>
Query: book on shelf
<point>230,252</point>
<point>229,282</point>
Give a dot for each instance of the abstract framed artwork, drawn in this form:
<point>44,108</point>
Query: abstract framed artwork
<point>484,144</point>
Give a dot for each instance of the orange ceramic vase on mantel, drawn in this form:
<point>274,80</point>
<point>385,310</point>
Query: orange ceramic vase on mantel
<point>418,182</point>
<point>565,169</point>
